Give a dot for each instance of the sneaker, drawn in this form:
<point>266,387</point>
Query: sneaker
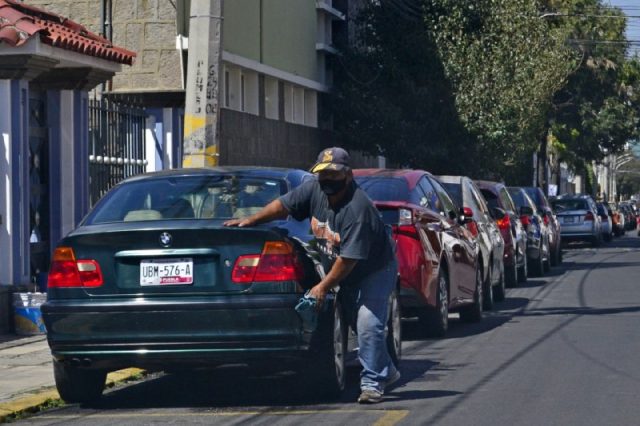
<point>392,379</point>
<point>370,396</point>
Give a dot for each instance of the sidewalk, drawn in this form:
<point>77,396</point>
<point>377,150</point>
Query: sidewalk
<point>26,375</point>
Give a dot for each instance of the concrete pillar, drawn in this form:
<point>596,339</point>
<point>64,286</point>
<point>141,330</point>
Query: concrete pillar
<point>74,158</point>
<point>14,182</point>
<point>201,120</point>
<point>154,160</point>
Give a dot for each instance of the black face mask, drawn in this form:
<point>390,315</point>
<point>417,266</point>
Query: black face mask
<point>332,187</point>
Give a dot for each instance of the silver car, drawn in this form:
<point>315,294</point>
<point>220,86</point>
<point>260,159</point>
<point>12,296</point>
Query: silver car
<point>579,219</point>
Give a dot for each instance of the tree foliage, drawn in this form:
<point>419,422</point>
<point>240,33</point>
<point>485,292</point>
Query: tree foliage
<point>596,112</point>
<point>477,87</point>
<point>462,86</point>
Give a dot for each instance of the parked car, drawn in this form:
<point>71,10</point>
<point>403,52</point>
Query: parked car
<point>437,255</point>
<point>151,278</point>
<point>629,216</point>
<point>550,220</point>
<point>538,247</point>
<point>578,215</point>
<point>466,194</point>
<point>504,212</point>
<point>607,222</point>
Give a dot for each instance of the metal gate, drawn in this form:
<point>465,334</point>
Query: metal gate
<point>116,144</point>
<point>38,184</point>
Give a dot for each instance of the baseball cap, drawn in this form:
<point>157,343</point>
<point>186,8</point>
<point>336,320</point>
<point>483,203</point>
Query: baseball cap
<point>331,159</point>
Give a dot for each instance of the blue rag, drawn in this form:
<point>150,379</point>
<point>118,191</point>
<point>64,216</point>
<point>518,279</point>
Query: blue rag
<point>306,309</point>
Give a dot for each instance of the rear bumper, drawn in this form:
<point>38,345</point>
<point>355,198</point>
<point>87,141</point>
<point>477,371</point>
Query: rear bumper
<point>199,330</point>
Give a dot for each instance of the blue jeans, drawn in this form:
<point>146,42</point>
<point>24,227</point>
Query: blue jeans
<point>368,299</point>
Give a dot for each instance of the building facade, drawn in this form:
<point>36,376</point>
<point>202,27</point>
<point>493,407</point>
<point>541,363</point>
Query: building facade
<point>275,74</point>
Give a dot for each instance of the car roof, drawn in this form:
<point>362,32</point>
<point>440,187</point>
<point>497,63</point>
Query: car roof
<point>269,172</point>
<point>410,175</point>
<point>452,179</point>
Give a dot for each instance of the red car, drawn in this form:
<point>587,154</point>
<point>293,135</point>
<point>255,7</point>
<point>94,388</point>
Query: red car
<point>437,255</point>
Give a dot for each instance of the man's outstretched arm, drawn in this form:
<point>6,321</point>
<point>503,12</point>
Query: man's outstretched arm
<point>272,211</point>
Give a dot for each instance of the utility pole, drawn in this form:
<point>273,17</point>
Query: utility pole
<point>202,106</point>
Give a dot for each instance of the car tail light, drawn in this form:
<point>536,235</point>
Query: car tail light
<point>504,223</point>
<point>66,271</point>
<point>525,220</point>
<point>589,217</point>
<point>473,228</point>
<point>277,262</point>
<point>408,230</point>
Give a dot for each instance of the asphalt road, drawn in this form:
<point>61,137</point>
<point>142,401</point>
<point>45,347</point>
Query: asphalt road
<point>560,350</point>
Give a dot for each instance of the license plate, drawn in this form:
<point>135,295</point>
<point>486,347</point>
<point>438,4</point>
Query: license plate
<point>568,219</point>
<point>166,271</point>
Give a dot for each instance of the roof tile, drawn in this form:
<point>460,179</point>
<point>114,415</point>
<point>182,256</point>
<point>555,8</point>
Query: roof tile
<point>19,22</point>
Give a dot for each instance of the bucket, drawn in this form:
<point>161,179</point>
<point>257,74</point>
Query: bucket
<point>27,315</point>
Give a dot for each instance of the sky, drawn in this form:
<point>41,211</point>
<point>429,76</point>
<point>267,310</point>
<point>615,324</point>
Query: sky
<point>630,7</point>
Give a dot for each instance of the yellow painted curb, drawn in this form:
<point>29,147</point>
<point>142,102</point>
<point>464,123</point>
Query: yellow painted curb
<point>33,401</point>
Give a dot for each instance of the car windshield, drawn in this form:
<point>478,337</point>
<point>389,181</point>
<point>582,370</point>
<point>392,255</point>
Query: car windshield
<point>570,204</point>
<point>192,197</point>
<point>384,188</point>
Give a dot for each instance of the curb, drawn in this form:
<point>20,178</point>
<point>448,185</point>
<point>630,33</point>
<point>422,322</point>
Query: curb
<point>49,396</point>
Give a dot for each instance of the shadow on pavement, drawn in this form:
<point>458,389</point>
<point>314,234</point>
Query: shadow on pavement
<point>241,386</point>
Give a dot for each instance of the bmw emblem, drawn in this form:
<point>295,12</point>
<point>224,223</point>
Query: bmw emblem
<point>165,239</point>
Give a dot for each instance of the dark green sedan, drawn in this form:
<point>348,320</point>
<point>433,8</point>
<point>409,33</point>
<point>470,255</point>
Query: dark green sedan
<point>151,278</point>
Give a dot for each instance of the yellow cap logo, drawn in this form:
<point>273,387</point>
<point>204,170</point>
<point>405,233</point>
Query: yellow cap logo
<point>327,157</point>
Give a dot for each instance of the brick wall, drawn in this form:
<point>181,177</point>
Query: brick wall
<point>147,27</point>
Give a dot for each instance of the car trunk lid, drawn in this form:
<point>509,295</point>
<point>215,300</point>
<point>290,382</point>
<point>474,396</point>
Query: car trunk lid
<point>162,259</point>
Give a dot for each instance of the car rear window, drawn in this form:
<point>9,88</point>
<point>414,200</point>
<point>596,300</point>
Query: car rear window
<point>535,196</point>
<point>384,188</point>
<point>492,199</point>
<point>187,197</point>
<point>518,198</point>
<point>455,191</point>
<point>565,205</point>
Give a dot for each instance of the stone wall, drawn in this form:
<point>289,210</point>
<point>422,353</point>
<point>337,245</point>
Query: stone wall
<point>147,27</point>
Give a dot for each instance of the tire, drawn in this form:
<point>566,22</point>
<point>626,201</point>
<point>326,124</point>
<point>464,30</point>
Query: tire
<point>511,273</point>
<point>78,385</point>
<point>473,313</point>
<point>328,370</point>
<point>435,322</point>
<point>547,263</point>
<point>487,292</point>
<point>523,272</point>
<point>394,329</point>
<point>538,264</point>
<point>499,291</point>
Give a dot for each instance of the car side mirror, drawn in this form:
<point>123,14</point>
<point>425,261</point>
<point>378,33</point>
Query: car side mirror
<point>526,211</point>
<point>497,213</point>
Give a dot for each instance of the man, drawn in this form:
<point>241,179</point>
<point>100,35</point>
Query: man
<point>349,230</point>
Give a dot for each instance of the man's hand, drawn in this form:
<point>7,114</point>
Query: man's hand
<point>319,292</point>
<point>339,271</point>
<point>240,223</point>
<point>273,210</point>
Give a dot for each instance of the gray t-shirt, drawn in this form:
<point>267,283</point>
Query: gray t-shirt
<point>352,230</point>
